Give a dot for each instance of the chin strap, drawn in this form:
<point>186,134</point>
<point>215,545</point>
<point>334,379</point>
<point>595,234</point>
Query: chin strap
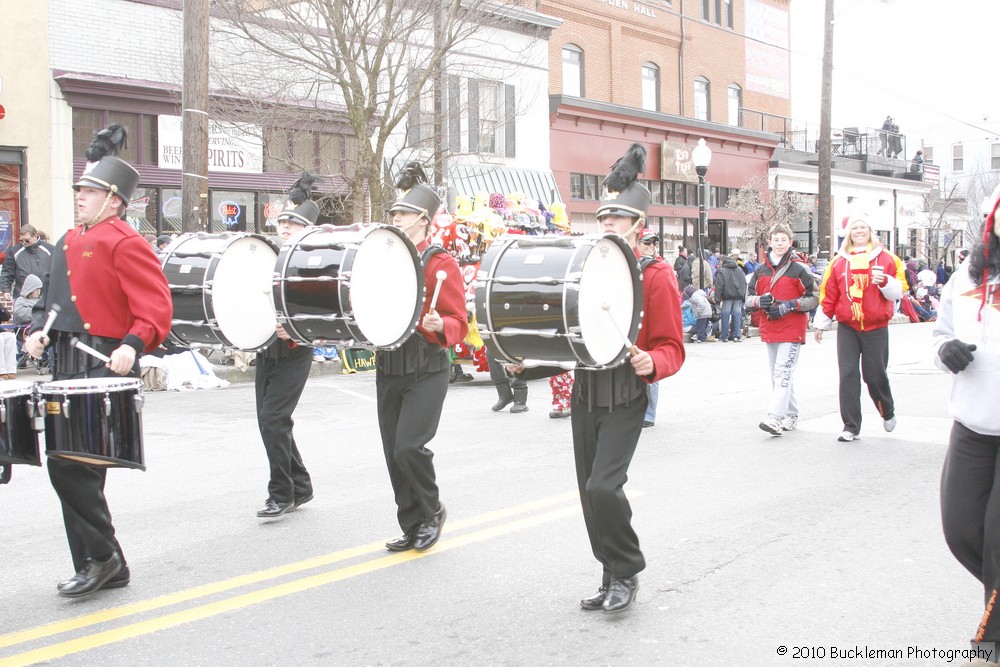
<point>97,218</point>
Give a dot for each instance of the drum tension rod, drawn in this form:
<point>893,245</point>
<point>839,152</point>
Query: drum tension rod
<point>203,255</point>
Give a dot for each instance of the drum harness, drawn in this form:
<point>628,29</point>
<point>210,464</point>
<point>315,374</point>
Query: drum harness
<point>416,355</point>
<point>612,387</point>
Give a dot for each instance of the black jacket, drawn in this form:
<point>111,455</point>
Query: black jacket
<point>22,262</point>
<point>730,281</point>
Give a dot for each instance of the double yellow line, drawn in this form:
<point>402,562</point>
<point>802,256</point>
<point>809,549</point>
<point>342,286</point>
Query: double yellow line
<point>168,620</point>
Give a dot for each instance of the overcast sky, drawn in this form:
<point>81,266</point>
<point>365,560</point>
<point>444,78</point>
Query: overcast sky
<point>932,65</point>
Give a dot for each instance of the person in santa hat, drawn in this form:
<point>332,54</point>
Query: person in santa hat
<point>966,343</point>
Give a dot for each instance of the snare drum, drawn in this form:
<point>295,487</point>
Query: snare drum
<point>97,421</point>
<point>221,290</point>
<point>334,284</point>
<point>559,301</point>
<point>18,437</point>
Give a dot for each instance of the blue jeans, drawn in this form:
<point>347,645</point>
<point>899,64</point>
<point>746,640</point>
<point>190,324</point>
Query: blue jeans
<point>701,329</point>
<point>732,319</point>
<point>653,393</point>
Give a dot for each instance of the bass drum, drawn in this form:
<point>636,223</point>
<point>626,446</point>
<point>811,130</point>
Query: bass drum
<point>335,284</point>
<point>559,301</point>
<point>221,290</point>
<point>97,421</point>
<point>18,437</point>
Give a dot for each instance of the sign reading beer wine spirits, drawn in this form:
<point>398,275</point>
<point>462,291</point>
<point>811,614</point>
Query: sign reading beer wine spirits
<point>233,147</point>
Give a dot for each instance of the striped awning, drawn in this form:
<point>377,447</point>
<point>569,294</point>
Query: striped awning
<point>537,184</point>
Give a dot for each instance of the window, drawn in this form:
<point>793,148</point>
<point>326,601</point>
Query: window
<point>718,11</point>
<point>490,117</point>
<point>995,156</point>
<point>727,13</point>
<point>706,10</point>
<point>957,163</point>
<point>656,194</point>
<point>427,129</point>
<point>929,154</point>
<point>735,101</point>
<point>141,128</point>
<point>701,89</point>
<point>650,87</point>
<point>572,75</point>
<point>591,187</point>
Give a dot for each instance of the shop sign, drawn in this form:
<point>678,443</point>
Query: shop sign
<point>232,147</point>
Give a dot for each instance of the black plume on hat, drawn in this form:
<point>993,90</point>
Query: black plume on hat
<point>626,169</point>
<point>411,174</point>
<point>109,141</point>
<point>301,189</point>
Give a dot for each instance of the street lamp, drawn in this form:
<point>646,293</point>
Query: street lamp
<point>702,157</point>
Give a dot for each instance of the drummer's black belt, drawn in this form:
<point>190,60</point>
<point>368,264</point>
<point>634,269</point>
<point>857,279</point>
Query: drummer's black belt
<point>608,387</point>
<point>70,361</point>
<point>416,355</point>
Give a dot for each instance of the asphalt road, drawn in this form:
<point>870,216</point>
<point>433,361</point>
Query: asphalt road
<point>759,548</point>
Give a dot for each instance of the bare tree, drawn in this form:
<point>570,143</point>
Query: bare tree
<point>305,64</point>
<point>945,225</point>
<point>978,188</point>
<point>759,207</point>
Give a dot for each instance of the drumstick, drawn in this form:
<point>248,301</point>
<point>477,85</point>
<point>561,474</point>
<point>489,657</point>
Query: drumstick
<point>632,349</point>
<point>440,275</point>
<point>53,314</point>
<point>83,347</point>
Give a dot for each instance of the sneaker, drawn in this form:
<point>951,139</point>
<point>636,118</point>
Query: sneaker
<point>889,424</point>
<point>695,340</point>
<point>847,436</point>
<point>772,425</point>
<point>647,424</point>
<point>789,423</point>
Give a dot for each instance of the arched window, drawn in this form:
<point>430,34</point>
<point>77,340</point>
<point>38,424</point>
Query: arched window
<point>701,90</point>
<point>650,87</point>
<point>735,101</point>
<point>572,70</point>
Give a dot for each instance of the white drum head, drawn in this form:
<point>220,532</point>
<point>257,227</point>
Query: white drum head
<point>15,388</point>
<point>90,385</point>
<point>606,280</point>
<point>384,287</point>
<point>241,292</point>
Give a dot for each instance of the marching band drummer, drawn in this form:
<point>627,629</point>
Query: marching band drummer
<point>411,382</point>
<point>282,371</point>
<point>113,296</point>
<point>609,405</point>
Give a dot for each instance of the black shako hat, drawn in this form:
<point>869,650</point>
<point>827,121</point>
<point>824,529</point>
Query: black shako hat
<point>623,194</point>
<point>419,199</point>
<point>105,171</point>
<point>305,211</point>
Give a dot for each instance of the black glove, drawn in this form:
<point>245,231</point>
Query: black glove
<point>780,309</point>
<point>956,355</point>
<point>764,301</point>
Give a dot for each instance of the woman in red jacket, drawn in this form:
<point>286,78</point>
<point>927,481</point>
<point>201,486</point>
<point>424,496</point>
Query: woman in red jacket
<point>859,290</point>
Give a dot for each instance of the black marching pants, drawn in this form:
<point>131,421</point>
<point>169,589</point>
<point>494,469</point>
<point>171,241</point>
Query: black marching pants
<point>409,409</point>
<point>80,488</point>
<point>871,348</point>
<point>279,384</point>
<point>970,515</point>
<point>603,445</point>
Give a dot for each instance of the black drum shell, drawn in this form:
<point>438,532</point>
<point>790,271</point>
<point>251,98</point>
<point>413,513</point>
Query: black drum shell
<point>90,435</point>
<point>18,437</point>
<point>536,307</point>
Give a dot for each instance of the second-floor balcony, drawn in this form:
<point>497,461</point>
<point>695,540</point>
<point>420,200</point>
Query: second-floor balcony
<point>877,151</point>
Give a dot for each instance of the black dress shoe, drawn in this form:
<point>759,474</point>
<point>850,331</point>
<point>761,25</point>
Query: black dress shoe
<point>429,531</point>
<point>595,602</point>
<point>93,577</point>
<point>302,500</point>
<point>120,580</point>
<point>402,543</point>
<point>501,404</point>
<point>621,594</point>
<point>273,509</point>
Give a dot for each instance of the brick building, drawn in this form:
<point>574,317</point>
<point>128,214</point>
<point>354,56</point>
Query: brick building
<point>666,74</point>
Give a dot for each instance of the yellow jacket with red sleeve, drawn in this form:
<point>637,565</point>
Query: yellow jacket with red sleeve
<point>108,282</point>
<point>451,299</point>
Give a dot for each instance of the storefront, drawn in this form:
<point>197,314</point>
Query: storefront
<point>588,136</point>
<point>12,191</point>
<point>250,165</point>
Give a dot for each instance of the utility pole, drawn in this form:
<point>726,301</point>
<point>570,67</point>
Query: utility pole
<point>440,79</point>
<point>825,223</point>
<point>194,117</point>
